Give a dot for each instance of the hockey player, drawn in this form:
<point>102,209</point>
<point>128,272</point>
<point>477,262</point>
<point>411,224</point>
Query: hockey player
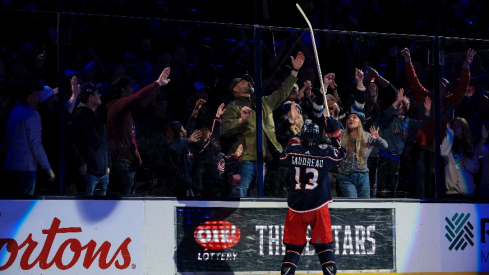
<point>310,193</point>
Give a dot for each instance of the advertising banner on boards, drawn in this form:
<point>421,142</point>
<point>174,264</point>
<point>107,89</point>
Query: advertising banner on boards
<point>71,237</point>
<point>464,232</point>
<point>250,239</point>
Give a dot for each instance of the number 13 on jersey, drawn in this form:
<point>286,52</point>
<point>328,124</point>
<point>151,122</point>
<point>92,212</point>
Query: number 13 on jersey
<point>302,173</point>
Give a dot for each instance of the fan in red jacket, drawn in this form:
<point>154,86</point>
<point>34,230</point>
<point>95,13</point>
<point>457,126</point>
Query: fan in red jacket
<point>121,129</point>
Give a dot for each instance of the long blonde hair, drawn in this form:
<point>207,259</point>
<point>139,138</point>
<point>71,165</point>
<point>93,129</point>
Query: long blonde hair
<point>359,144</point>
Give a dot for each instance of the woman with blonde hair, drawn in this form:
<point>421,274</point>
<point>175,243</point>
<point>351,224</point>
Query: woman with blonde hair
<point>461,162</point>
<point>353,173</point>
<point>353,180</point>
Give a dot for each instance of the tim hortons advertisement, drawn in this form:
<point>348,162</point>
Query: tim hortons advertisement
<point>71,237</point>
<point>250,239</point>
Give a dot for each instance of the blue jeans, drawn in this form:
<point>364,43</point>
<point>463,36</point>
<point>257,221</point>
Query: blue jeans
<point>21,182</point>
<point>91,181</point>
<point>248,172</point>
<point>354,185</point>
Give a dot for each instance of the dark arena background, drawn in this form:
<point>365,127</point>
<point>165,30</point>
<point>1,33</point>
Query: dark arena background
<point>413,224</point>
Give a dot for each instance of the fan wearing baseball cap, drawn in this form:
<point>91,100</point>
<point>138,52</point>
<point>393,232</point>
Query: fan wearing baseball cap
<point>88,149</point>
<point>239,120</point>
<point>23,138</point>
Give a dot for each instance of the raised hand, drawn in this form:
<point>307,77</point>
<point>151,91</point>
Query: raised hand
<point>163,79</point>
<point>294,112</point>
<point>220,110</point>
<point>406,54</point>
<point>298,61</point>
<point>470,57</point>
<point>358,75</point>
<point>427,104</point>
<point>400,95</point>
<point>195,136</point>
<point>333,84</point>
<point>374,133</point>
<point>328,79</point>
<point>75,87</point>
<point>198,104</point>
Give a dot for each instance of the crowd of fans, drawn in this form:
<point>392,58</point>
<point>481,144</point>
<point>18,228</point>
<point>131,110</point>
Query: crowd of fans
<point>157,109</point>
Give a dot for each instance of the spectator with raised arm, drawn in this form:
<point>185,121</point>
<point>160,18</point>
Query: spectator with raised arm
<point>395,128</point>
<point>449,100</point>
<point>183,147</point>
<point>121,129</point>
<point>288,125</point>
<point>461,162</point>
<point>88,150</point>
<point>353,173</point>
<point>368,90</point>
<point>353,181</point>
<point>315,105</point>
<point>311,101</point>
<point>75,91</point>
<point>377,96</point>
<point>239,120</point>
<point>210,162</point>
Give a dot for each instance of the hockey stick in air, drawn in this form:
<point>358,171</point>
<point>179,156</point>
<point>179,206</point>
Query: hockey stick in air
<point>316,56</point>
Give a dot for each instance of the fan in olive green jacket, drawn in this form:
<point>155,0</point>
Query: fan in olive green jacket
<point>239,118</point>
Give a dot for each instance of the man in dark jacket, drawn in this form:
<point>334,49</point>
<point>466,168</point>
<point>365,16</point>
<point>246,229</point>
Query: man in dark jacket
<point>88,146</point>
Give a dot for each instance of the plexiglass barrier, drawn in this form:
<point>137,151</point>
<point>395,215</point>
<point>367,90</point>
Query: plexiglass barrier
<point>135,138</point>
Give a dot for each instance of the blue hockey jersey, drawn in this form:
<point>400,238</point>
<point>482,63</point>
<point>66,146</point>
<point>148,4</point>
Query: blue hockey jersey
<point>309,187</point>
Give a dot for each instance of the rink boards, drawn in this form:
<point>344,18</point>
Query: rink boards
<point>165,236</point>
